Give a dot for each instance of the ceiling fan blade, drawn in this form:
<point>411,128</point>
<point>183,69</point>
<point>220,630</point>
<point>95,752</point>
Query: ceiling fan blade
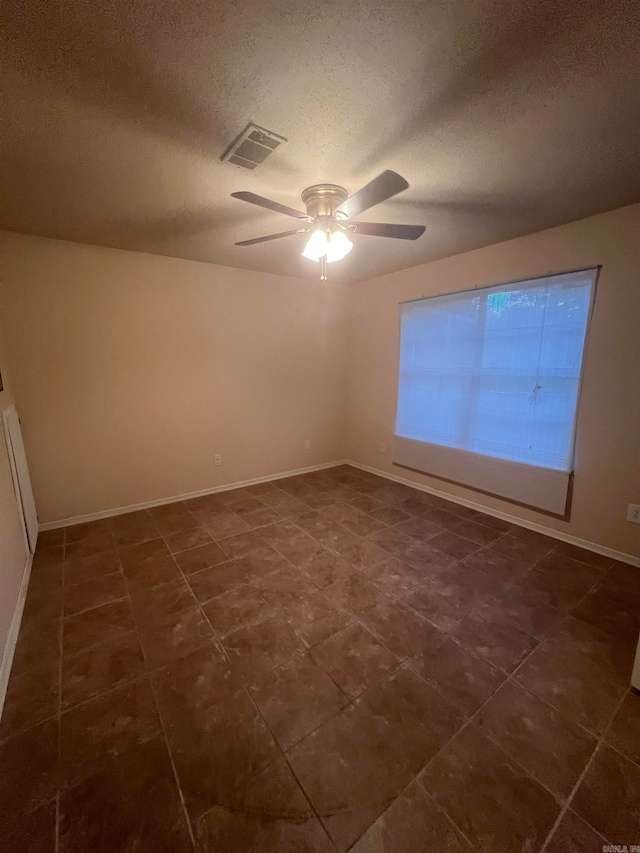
<point>252,198</point>
<point>383,229</point>
<point>379,189</point>
<point>267,238</point>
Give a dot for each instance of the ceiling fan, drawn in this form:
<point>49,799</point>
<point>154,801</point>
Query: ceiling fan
<point>328,220</point>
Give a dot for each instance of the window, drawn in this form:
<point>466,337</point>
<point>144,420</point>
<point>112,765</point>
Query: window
<point>494,373</point>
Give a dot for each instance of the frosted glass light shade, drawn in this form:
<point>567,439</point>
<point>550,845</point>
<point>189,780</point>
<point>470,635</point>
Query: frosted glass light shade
<point>335,246</point>
<point>339,246</point>
<point>316,246</point>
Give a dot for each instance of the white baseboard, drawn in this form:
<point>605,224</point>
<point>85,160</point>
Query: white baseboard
<point>109,513</point>
<point>530,525</point>
<point>520,522</point>
<point>14,629</point>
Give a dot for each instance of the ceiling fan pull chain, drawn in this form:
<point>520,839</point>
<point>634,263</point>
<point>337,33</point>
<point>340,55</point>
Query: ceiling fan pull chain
<point>323,268</point>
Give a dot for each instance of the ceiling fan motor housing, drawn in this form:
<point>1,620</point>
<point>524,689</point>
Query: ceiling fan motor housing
<point>323,199</point>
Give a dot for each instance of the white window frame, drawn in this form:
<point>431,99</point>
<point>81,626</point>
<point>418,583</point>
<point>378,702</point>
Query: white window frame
<point>531,485</point>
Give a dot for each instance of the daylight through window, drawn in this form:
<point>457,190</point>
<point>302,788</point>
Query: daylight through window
<point>496,371</point>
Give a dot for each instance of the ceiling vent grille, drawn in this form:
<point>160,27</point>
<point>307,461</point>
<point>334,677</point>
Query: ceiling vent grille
<point>252,147</point>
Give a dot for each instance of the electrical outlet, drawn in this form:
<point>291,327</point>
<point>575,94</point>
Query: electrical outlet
<point>217,459</point>
<point>633,513</point>
<point>383,447</point>
<point>307,444</point>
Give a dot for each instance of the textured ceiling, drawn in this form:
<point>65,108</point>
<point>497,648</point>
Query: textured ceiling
<point>505,116</point>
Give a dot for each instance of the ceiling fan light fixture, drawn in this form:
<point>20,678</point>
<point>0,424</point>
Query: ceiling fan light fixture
<point>335,245</point>
<point>328,224</point>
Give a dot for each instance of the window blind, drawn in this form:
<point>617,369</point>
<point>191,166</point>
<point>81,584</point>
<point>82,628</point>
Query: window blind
<point>495,373</point>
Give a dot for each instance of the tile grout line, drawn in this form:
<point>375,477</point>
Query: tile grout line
<point>564,803</point>
<point>475,610</point>
<point>388,676</point>
<point>258,711</point>
<point>268,728</point>
<point>356,619</point>
<point>565,614</point>
<point>427,794</point>
<point>418,542</point>
<point>574,790</point>
<point>444,812</point>
<point>274,546</point>
<point>517,523</point>
<point>310,536</point>
<point>469,721</point>
<point>155,701</point>
<point>509,676</point>
<point>288,763</point>
<point>218,640</point>
<point>276,609</point>
<point>170,754</point>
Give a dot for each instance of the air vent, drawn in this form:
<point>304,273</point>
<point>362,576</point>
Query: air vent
<point>252,147</point>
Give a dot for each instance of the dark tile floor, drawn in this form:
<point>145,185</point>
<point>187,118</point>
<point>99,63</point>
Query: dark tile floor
<point>322,663</point>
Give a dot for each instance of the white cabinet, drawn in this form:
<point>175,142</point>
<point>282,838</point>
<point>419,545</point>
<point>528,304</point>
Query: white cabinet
<point>635,676</point>
<point>20,473</point>
<point>18,534</point>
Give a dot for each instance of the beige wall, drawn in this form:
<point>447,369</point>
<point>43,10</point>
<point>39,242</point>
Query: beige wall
<point>607,474</point>
<point>131,371</point>
<point>13,552</point>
